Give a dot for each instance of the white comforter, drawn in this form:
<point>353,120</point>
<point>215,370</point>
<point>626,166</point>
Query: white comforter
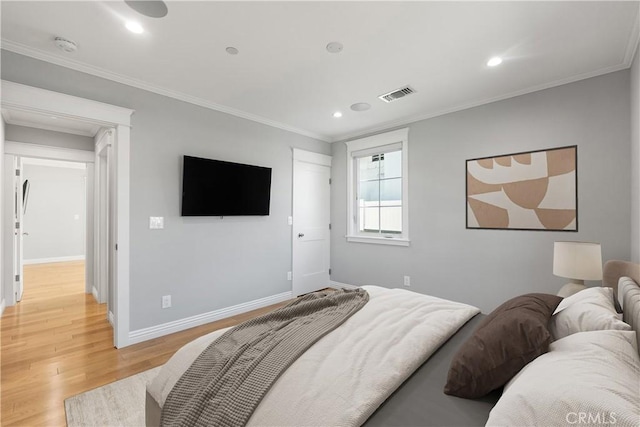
<point>343,378</point>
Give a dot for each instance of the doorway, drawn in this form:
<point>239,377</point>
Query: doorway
<point>48,211</point>
<point>25,101</point>
<point>311,221</point>
<point>53,221</point>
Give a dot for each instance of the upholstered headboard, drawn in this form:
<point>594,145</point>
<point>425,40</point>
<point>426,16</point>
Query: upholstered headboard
<point>613,270</point>
<point>627,291</point>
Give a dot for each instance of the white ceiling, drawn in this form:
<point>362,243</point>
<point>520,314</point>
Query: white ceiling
<point>283,76</point>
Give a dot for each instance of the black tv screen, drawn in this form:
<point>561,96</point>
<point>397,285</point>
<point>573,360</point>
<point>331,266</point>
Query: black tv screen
<point>217,188</point>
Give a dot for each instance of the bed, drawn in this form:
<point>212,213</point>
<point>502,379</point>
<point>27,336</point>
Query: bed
<point>408,383</point>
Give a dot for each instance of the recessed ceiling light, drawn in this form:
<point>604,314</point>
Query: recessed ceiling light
<point>337,114</point>
<point>134,27</point>
<point>334,47</point>
<point>496,60</point>
<point>232,50</point>
<point>360,106</point>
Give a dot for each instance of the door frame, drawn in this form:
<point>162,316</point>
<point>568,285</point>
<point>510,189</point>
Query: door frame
<point>13,217</point>
<point>303,156</point>
<point>103,227</point>
<point>20,97</point>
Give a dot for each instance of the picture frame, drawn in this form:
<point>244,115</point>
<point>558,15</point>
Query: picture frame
<point>531,190</point>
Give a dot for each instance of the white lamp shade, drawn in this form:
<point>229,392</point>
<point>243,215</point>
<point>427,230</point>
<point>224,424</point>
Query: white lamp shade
<point>577,260</point>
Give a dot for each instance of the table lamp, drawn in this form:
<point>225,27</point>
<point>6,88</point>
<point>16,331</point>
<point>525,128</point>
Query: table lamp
<point>577,261</point>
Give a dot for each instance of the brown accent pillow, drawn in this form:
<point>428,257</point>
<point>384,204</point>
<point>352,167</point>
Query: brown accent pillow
<point>507,339</point>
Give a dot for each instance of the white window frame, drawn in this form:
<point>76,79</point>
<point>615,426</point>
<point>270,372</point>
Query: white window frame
<point>358,148</point>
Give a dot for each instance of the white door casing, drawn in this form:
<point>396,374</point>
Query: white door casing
<point>8,243</point>
<point>102,203</point>
<point>18,248</point>
<point>12,205</point>
<point>20,97</point>
<point>311,221</point>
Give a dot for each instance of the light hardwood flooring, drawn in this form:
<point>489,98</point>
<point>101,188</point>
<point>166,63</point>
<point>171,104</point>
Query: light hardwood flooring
<point>57,343</point>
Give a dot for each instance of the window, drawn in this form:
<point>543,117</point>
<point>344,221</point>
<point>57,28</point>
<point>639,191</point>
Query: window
<point>377,170</point>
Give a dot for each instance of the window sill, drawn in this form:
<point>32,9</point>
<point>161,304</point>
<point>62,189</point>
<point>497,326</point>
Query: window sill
<point>378,240</point>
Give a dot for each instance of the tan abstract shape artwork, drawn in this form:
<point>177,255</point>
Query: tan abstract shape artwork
<point>489,216</point>
<point>527,194</point>
<point>523,159</point>
<point>536,190</point>
<point>486,163</point>
<point>504,160</point>
<point>560,162</point>
<point>475,186</point>
<point>556,219</point>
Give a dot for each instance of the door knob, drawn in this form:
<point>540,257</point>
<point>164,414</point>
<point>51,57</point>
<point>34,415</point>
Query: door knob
<point>300,234</point>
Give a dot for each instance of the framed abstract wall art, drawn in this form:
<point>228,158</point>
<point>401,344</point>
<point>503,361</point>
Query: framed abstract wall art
<point>535,190</point>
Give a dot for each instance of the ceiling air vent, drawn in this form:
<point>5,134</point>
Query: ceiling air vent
<point>397,94</point>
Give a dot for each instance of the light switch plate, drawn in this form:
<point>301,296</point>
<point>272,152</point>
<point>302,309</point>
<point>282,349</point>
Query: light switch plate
<point>156,222</point>
<point>166,301</point>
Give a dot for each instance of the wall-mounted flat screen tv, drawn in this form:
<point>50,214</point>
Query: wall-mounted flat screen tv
<point>218,188</point>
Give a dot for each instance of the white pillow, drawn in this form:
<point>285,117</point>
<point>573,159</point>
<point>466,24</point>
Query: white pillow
<point>588,378</point>
<point>588,310</point>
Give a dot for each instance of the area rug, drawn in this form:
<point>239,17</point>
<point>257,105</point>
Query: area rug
<point>120,403</point>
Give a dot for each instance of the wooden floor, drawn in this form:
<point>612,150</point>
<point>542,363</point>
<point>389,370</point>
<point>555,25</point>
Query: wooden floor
<point>57,343</point>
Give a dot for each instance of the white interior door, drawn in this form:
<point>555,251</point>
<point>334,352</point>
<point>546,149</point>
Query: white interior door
<point>18,206</point>
<point>311,221</point>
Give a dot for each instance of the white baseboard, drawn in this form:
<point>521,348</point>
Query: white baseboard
<point>110,317</point>
<point>94,291</point>
<point>343,285</point>
<point>2,306</point>
<point>54,259</point>
<point>145,334</point>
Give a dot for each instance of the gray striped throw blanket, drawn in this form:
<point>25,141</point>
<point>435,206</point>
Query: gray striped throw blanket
<point>228,380</point>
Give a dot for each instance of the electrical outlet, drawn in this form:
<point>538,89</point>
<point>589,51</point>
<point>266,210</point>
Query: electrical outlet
<point>166,301</point>
<point>407,281</point>
<point>288,275</point>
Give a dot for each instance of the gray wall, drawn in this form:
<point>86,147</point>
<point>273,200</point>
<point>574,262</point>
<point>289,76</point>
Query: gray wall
<point>48,137</point>
<point>485,267</point>
<point>635,158</point>
<point>204,263</point>
<point>57,195</point>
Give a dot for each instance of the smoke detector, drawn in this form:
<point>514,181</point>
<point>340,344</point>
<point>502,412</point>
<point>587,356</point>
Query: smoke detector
<point>65,45</point>
<point>334,47</point>
<point>397,94</point>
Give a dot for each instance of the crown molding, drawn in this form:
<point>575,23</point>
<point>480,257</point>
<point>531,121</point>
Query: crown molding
<point>412,119</point>
<point>634,40</point>
<point>632,46</point>
<point>22,49</point>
